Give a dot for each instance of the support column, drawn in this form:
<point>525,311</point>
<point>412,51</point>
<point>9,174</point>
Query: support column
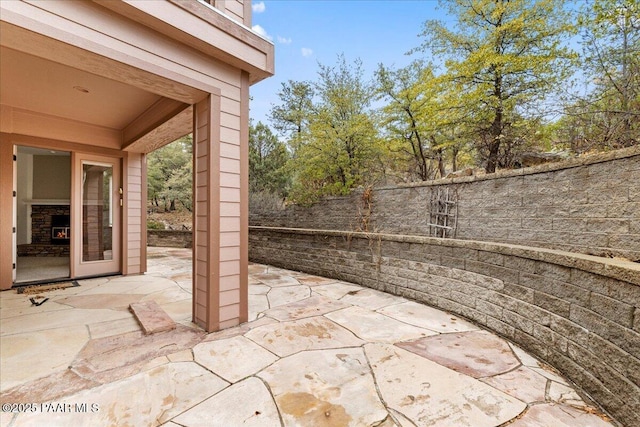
<point>217,261</point>
<point>6,212</point>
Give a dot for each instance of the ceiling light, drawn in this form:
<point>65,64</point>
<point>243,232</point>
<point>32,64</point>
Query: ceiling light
<point>81,89</point>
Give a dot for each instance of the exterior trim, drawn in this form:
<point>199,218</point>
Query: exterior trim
<point>244,199</point>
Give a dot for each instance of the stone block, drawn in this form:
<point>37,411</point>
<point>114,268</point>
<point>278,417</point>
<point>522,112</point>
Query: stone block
<point>551,303</point>
<point>553,271</point>
<point>495,271</point>
<point>550,338</point>
<point>500,327</point>
<point>463,298</point>
<point>426,298</point>
<point>538,223</point>
<point>616,289</point>
<point>489,282</point>
<point>151,317</point>
<point>623,210</point>
<point>502,300</point>
<point>609,377</point>
<point>533,345</point>
<point>626,339</point>
<point>612,309</point>
<point>625,241</point>
<point>615,357</point>
<point>489,308</point>
<point>612,194</point>
<point>608,225</point>
<point>452,262</point>
<point>588,210</point>
<point>534,313</point>
<point>589,320</point>
<point>570,224</point>
<point>570,196</point>
<point>518,292</point>
<point>570,293</point>
<point>517,321</point>
<point>491,258</point>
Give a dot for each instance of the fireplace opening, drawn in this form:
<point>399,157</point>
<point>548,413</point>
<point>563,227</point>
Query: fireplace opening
<point>60,229</point>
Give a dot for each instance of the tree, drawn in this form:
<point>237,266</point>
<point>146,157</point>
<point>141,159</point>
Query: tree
<point>267,160</point>
<point>340,148</point>
<point>291,117</point>
<point>406,103</point>
<point>502,55</point>
<point>609,115</point>
<point>169,174</point>
<point>424,126</point>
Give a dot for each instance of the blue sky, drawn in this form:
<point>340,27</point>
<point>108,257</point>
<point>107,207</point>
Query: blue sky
<point>306,32</point>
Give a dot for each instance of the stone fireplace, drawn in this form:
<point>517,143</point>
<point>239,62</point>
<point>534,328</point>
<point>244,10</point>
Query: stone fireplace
<point>44,219</point>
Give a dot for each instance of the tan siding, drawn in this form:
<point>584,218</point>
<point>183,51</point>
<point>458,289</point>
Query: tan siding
<point>229,312</point>
<point>231,151</point>
<point>228,239</point>
<point>230,165</point>
<point>231,136</point>
<point>135,246</point>
<point>6,214</point>
<point>235,10</point>
<point>230,195</point>
<point>230,297</point>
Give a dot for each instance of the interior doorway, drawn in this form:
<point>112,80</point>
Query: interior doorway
<point>42,215</point>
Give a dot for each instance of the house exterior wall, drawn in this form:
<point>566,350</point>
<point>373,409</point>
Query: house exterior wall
<point>135,214</point>
<point>196,60</point>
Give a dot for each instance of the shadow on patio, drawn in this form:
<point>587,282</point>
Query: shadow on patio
<point>317,352</point>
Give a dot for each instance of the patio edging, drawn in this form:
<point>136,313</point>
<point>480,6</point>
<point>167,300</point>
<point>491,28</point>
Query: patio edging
<point>579,313</point>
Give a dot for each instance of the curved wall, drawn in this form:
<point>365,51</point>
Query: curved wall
<point>588,205</point>
<point>579,313</point>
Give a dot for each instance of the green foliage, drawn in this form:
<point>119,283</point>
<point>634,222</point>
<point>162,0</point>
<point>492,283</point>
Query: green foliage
<point>337,146</point>
<point>170,174</point>
<point>608,116</point>
<point>502,57</point>
<point>291,117</point>
<point>154,225</point>
<point>501,67</point>
<point>423,126</point>
<point>267,160</point>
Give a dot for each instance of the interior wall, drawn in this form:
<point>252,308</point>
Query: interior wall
<point>25,192</point>
<point>51,177</point>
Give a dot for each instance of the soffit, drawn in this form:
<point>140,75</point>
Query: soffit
<point>42,86</point>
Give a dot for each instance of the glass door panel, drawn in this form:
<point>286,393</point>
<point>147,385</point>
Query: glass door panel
<point>97,216</point>
<point>97,212</point>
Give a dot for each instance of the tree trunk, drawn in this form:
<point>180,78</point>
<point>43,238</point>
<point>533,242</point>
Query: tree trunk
<point>441,167</point>
<point>492,161</point>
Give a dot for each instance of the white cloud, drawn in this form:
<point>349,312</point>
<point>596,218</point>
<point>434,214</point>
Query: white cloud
<point>258,29</point>
<point>258,7</point>
<point>284,40</point>
<point>306,51</point>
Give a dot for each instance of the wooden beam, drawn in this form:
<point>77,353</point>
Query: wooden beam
<point>176,127</point>
<point>156,115</point>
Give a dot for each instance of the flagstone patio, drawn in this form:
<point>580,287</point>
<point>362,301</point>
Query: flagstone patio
<point>317,352</point>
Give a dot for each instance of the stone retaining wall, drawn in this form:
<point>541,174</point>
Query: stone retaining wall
<point>579,313</point>
<point>589,205</point>
<point>170,238</point>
